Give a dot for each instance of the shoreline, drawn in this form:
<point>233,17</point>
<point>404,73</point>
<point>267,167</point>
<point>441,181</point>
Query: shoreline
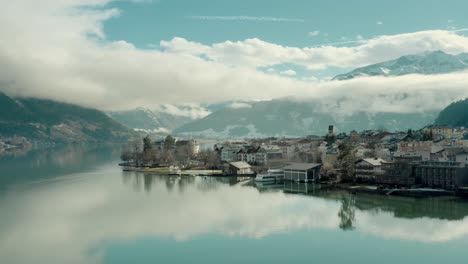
<point>353,189</point>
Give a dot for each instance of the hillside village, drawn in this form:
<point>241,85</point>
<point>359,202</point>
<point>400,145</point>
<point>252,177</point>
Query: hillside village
<point>434,157</point>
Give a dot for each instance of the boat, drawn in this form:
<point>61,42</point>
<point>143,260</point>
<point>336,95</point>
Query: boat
<point>272,175</point>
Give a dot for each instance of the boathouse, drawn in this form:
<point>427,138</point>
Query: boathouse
<point>239,168</point>
<point>302,172</point>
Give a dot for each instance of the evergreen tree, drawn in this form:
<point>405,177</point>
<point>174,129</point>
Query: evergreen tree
<point>346,159</point>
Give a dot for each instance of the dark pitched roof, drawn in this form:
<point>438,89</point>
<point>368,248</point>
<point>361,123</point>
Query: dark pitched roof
<point>302,166</point>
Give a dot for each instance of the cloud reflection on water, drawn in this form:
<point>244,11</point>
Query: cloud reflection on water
<point>62,222</point>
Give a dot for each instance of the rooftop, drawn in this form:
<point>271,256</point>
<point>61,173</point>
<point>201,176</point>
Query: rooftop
<point>375,162</point>
<point>301,166</point>
<point>240,164</point>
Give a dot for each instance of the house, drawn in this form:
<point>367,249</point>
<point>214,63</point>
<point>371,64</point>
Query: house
<point>413,146</point>
<point>239,168</point>
<point>229,152</point>
<point>368,169</point>
<point>446,154</point>
<point>253,155</point>
<point>422,155</point>
<point>287,149</point>
<point>273,152</point>
<point>302,172</point>
<point>304,144</point>
<point>439,131</point>
<point>361,151</point>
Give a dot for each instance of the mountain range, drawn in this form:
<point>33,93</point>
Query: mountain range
<point>292,118</point>
<point>436,62</point>
<point>152,121</point>
<point>50,121</point>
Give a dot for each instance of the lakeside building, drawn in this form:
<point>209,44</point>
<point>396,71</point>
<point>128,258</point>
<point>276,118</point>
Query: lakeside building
<point>442,174</point>
<point>399,172</point>
<point>369,169</point>
<point>239,168</point>
<point>302,172</point>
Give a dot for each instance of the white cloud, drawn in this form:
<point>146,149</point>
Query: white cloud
<point>288,72</point>
<point>46,51</point>
<point>257,53</point>
<point>194,111</point>
<point>379,23</point>
<point>248,18</point>
<point>314,33</point>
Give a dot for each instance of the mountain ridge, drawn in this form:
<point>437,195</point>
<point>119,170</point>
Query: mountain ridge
<point>284,117</point>
<point>436,62</point>
<point>51,121</point>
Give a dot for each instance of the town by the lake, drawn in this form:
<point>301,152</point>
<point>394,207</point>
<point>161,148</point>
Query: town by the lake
<point>429,162</point>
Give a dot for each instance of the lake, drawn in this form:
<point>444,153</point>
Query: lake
<point>75,205</point>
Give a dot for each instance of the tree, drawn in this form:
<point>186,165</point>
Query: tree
<point>126,156</point>
<point>410,133</point>
<point>210,158</point>
<point>169,143</point>
<point>428,136</point>
<point>346,159</point>
<point>327,170</point>
<point>147,145</point>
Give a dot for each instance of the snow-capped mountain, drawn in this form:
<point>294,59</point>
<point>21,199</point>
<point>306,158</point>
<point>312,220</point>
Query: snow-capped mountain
<point>292,118</point>
<point>436,62</point>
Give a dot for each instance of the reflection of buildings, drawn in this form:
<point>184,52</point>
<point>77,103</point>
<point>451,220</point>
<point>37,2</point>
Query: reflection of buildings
<point>303,188</point>
<point>447,208</point>
<point>440,208</point>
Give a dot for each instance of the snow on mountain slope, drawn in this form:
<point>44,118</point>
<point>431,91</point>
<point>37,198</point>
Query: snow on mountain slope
<point>436,62</point>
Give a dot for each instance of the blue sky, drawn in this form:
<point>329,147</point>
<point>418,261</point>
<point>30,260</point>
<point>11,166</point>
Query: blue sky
<point>336,21</point>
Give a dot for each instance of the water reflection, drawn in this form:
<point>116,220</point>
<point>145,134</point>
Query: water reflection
<point>73,219</point>
<point>346,213</point>
<point>47,163</point>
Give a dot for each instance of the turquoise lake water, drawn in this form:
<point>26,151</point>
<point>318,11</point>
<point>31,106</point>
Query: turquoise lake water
<point>75,205</point>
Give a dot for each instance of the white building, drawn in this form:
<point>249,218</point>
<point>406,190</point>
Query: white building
<point>369,168</point>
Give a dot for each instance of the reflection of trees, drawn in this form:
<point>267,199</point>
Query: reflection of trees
<point>148,181</point>
<point>346,213</point>
<point>184,182</point>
